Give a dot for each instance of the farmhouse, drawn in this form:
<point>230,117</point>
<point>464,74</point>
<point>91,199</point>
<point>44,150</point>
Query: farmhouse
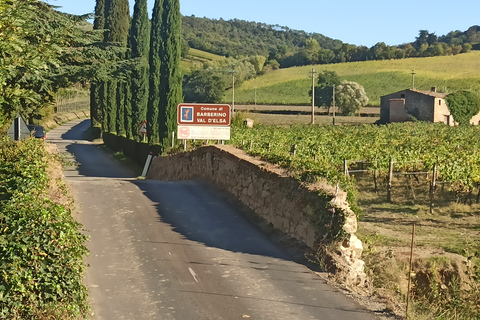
<point>422,105</point>
<point>411,104</point>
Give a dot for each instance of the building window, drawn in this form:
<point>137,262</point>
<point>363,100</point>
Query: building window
<point>439,102</point>
<point>402,95</point>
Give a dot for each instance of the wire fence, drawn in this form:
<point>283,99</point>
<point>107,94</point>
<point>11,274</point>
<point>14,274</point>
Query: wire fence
<point>68,105</point>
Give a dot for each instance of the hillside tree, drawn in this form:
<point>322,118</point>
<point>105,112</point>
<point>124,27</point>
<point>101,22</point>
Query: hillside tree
<point>205,85</point>
<point>463,105</point>
<point>350,97</point>
<point>324,88</point>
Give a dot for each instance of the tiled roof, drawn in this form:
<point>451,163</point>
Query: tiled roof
<point>431,93</point>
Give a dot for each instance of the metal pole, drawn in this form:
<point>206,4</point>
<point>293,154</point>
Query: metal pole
<point>413,78</point>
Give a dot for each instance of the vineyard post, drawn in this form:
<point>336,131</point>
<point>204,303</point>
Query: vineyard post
<point>375,177</point>
<point>333,101</point>
<point>433,187</point>
<point>313,95</point>
<point>410,269</point>
<point>345,167</point>
<point>389,184</point>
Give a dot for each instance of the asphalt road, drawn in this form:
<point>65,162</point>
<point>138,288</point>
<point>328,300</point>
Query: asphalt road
<point>178,250</point>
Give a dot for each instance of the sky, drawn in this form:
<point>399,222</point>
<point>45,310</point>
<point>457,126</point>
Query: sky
<point>356,22</point>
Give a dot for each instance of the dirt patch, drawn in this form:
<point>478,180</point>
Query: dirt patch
<point>57,189</point>
<point>442,239</point>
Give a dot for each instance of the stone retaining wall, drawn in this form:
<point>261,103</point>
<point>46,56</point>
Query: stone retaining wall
<point>313,214</point>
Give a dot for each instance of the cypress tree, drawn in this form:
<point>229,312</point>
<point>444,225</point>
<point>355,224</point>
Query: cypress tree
<point>96,88</point>
<point>170,72</point>
<point>139,44</point>
<point>117,22</point>
<point>153,127</point>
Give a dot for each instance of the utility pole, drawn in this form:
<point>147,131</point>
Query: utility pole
<point>255,80</point>
<point>333,104</point>
<point>413,79</point>
<point>233,93</point>
<point>313,95</point>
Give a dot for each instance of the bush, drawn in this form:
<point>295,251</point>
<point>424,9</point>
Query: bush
<point>463,105</point>
<point>41,247</point>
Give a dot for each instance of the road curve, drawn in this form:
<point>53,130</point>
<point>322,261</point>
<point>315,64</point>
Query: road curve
<point>178,250</point>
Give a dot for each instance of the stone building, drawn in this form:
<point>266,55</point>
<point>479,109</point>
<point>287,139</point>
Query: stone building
<point>411,104</point>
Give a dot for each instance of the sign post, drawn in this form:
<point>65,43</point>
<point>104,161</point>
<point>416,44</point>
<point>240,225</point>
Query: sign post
<point>143,129</point>
<point>203,121</point>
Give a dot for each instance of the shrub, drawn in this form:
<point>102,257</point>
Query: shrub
<point>41,247</point>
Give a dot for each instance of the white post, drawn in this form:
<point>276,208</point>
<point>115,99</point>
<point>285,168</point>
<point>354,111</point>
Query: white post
<point>147,165</point>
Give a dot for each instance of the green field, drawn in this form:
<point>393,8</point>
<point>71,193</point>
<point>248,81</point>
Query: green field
<point>196,58</point>
<point>291,86</point>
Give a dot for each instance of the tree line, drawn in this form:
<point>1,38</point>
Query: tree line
<point>150,86</point>
<point>288,48</point>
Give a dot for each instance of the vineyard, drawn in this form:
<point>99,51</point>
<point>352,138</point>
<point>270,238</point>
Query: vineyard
<point>319,152</point>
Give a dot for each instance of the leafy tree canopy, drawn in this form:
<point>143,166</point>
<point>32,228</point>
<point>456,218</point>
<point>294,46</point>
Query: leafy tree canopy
<point>350,97</point>
<point>463,105</point>
<point>42,50</point>
<point>324,89</point>
<point>209,83</point>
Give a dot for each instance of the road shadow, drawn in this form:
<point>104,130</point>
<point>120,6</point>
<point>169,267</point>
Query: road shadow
<point>91,158</point>
<point>194,209</point>
<point>201,214</point>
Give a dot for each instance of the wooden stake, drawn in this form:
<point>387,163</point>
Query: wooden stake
<point>433,187</point>
<point>410,269</point>
<point>389,185</point>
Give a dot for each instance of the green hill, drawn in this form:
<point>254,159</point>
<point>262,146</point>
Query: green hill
<point>196,58</point>
<point>291,86</point>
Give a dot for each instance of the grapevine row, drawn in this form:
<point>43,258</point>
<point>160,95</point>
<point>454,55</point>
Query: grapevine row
<point>321,150</point>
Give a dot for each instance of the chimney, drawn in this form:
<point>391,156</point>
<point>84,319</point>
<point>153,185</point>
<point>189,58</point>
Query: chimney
<point>434,89</point>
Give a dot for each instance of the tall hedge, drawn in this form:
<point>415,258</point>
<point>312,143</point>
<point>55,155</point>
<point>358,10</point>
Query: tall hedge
<point>139,45</point>
<point>95,88</point>
<point>165,74</point>
<point>153,109</point>
<point>170,72</point>
<point>117,22</point>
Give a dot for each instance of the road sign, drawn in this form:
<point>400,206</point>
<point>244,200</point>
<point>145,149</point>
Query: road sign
<point>203,121</point>
<point>143,127</point>
<point>203,114</point>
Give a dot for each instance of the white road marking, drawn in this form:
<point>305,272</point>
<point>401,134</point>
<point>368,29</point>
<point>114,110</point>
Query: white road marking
<point>193,274</point>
